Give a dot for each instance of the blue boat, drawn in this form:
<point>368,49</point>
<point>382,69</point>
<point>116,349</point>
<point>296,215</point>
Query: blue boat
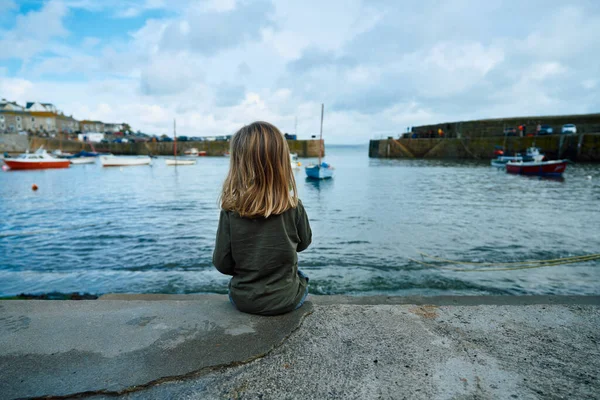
<point>321,170</point>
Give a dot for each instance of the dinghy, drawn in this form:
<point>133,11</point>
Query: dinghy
<point>322,170</point>
<point>175,161</point>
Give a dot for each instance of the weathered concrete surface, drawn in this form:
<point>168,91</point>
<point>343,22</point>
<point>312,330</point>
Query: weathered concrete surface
<point>13,143</point>
<point>528,347</point>
<point>65,347</point>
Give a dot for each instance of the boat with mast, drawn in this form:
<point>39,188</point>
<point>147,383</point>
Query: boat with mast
<point>322,170</point>
<point>174,160</point>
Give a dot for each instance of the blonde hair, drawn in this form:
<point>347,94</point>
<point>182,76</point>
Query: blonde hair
<point>260,181</point>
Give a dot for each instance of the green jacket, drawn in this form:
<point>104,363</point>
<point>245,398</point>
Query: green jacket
<point>261,255</point>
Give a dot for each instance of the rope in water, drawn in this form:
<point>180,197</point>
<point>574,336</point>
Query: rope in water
<point>505,264</point>
<point>517,266</point>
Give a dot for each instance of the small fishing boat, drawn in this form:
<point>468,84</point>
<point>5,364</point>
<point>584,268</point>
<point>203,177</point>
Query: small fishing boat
<point>538,168</point>
<point>38,160</point>
<point>195,152</point>
<point>174,161</point>
<point>531,154</point>
<point>322,170</point>
<point>124,161</point>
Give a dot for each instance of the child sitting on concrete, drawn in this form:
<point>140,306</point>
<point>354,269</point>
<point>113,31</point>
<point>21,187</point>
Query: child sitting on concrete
<point>262,225</point>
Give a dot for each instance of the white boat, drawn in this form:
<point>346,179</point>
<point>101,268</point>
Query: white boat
<point>82,160</point>
<point>175,161</point>
<point>124,161</point>
<point>294,161</point>
<point>322,170</point>
<point>179,161</point>
<point>194,152</point>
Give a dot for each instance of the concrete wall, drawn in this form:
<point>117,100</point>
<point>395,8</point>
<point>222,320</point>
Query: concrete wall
<point>586,123</point>
<point>13,143</point>
<point>580,147</point>
<point>304,148</point>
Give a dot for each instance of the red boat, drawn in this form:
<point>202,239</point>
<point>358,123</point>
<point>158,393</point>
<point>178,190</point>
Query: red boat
<point>539,168</point>
<point>38,160</point>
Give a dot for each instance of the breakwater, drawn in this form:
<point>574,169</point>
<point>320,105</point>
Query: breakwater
<point>304,148</point>
<point>584,147</point>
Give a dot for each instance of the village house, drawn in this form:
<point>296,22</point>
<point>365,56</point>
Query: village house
<point>13,117</point>
<point>45,118</point>
<point>110,127</point>
<point>91,126</point>
<point>66,124</point>
<point>42,117</point>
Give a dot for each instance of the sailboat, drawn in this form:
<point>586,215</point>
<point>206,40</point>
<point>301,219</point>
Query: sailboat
<point>175,161</point>
<point>322,170</point>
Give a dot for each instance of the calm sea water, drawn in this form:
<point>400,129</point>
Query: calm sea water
<point>151,229</point>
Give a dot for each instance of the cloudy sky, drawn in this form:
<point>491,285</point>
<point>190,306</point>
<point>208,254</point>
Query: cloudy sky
<point>378,65</point>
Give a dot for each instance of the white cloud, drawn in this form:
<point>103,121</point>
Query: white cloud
<point>33,31</point>
<point>379,66</point>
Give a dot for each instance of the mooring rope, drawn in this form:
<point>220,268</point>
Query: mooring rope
<point>508,266</point>
<point>505,264</point>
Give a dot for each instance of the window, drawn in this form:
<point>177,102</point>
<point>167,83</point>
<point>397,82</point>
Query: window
<point>2,125</point>
<point>18,119</point>
<point>32,119</point>
<point>1,117</point>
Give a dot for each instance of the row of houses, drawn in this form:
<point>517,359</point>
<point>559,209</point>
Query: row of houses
<point>46,118</point>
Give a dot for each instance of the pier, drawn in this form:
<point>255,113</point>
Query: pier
<point>20,143</point>
<point>175,346</point>
<point>478,139</point>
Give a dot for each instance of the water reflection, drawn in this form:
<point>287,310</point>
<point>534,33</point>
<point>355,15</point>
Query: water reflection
<point>319,185</point>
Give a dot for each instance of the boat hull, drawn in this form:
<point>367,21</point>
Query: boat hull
<point>318,172</point>
<point>26,164</point>
<point>124,161</point>
<point>543,168</point>
<point>180,162</point>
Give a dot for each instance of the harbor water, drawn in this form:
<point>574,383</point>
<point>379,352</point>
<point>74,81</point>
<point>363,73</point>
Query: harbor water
<point>152,229</point>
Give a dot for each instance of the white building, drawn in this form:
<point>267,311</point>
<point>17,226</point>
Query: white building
<point>90,137</point>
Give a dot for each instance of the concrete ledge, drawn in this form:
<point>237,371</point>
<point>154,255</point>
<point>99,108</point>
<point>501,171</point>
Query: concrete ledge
<point>375,300</point>
<point>59,348</point>
<point>199,347</point>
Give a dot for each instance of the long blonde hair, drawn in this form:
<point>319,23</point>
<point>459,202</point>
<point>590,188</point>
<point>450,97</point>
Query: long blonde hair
<point>260,181</point>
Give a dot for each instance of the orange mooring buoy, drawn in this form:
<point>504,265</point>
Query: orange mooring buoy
<point>34,187</point>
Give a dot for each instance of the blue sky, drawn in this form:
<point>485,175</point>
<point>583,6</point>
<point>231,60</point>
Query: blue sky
<point>379,66</point>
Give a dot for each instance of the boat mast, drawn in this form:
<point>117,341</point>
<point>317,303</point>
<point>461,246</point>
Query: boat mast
<point>321,134</point>
<point>175,140</point>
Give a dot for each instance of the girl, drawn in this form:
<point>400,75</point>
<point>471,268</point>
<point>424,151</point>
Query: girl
<point>263,225</point>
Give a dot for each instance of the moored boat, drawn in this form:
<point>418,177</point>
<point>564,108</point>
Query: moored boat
<point>294,161</point>
<point>194,152</point>
<point>82,160</point>
<point>175,161</point>
<point>179,161</point>
<point>321,170</point>
<point>38,160</point>
<point>538,168</point>
<point>532,154</point>
<point>124,161</point>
